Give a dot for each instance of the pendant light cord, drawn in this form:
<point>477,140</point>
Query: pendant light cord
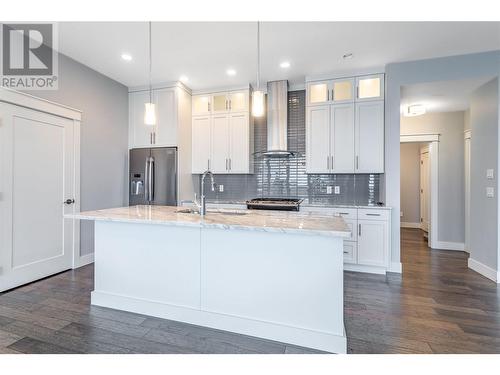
<point>150,64</point>
<point>258,55</point>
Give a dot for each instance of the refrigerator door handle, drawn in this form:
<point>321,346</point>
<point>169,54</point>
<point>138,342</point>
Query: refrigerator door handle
<point>151,179</point>
<point>146,180</point>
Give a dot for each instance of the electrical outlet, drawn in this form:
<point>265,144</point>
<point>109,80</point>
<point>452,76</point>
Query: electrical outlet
<point>490,192</point>
<point>337,189</point>
<point>329,190</point>
<point>221,188</point>
<point>490,175</point>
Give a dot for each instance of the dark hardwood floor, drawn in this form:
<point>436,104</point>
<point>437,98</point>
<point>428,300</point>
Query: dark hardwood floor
<point>438,305</point>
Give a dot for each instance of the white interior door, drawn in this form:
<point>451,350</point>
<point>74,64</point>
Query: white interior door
<point>38,176</point>
<point>424,190</point>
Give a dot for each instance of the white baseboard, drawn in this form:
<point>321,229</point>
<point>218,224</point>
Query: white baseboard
<point>84,260</point>
<point>484,270</point>
<point>396,267</point>
<point>443,245</point>
<point>411,225</point>
<point>272,331</point>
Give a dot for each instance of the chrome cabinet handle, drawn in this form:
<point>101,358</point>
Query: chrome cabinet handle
<point>230,164</point>
<point>357,162</point>
<point>346,252</point>
<point>328,162</point>
<point>208,106</point>
<point>343,213</point>
<point>208,164</point>
<point>331,163</point>
<point>226,165</point>
<point>333,96</point>
<point>230,104</point>
<point>152,179</point>
<point>359,229</point>
<point>372,214</point>
<point>327,95</point>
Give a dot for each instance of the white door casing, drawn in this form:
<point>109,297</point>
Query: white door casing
<point>39,170</point>
<point>467,157</point>
<point>424,189</point>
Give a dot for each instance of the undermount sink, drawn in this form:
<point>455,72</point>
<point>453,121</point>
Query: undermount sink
<point>213,211</point>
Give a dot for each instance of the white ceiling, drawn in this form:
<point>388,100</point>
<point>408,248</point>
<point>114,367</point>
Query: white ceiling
<point>443,96</point>
<point>203,51</point>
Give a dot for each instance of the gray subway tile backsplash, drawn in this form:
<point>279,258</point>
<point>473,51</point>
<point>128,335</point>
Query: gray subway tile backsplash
<point>286,176</point>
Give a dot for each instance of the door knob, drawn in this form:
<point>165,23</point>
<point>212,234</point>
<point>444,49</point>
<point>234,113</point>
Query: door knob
<point>69,201</point>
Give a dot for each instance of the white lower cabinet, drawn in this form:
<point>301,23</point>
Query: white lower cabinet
<point>372,243</point>
<point>368,247</point>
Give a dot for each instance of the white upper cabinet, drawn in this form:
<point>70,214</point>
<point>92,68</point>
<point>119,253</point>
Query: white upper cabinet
<point>140,135</point>
<point>164,133</point>
<point>201,105</point>
<point>318,141</point>
<point>345,125</point>
<point>201,144</point>
<point>228,129</point>
<point>342,136</point>
<point>370,137</point>
<point>370,87</point>
<point>166,128</point>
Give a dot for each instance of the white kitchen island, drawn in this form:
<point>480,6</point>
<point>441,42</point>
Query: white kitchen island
<point>273,275</point>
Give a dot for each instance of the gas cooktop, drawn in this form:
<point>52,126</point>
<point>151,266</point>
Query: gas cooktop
<point>282,204</point>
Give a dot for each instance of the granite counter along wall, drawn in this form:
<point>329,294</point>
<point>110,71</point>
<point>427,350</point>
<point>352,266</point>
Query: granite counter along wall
<point>286,177</point>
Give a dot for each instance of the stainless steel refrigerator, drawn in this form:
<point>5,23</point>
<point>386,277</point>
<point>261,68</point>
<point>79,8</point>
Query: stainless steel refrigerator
<point>153,176</point>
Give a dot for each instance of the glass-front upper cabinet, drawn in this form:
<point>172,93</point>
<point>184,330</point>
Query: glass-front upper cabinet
<point>370,87</point>
<point>318,92</point>
<point>201,105</point>
<point>220,103</point>
<point>238,101</point>
<point>343,90</point>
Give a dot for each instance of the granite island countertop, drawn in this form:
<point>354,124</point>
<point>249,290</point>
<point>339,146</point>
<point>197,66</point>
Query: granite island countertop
<point>257,220</point>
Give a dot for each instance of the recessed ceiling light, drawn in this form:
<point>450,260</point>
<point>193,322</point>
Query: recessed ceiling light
<point>126,57</point>
<point>231,72</point>
<point>183,78</point>
<point>347,56</point>
<point>285,64</point>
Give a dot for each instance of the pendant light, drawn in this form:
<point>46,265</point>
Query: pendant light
<point>149,108</point>
<point>258,94</point>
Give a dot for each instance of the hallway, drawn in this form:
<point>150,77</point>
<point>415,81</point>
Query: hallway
<point>438,305</point>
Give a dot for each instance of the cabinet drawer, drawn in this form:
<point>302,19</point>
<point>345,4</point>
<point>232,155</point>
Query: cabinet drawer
<point>373,214</point>
<point>346,213</point>
<point>350,252</point>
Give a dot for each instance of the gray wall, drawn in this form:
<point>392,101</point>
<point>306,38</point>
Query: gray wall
<point>410,182</point>
<point>484,154</point>
<point>104,137</point>
<point>451,183</point>
<point>406,73</point>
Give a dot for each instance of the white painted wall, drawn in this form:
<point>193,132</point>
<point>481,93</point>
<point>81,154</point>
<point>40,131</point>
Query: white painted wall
<point>451,210</point>
<point>410,182</point>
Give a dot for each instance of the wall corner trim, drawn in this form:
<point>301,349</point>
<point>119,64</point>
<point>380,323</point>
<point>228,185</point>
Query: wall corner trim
<point>484,270</point>
<point>84,260</point>
<point>396,267</point>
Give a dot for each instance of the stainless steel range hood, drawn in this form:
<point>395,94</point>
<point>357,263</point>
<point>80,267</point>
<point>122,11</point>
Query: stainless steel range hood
<point>277,119</point>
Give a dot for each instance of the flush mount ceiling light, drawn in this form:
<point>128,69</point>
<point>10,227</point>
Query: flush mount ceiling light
<point>149,108</point>
<point>231,72</point>
<point>126,57</point>
<point>414,110</point>
<point>347,56</point>
<point>183,78</point>
<point>258,94</point>
<point>285,64</point>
